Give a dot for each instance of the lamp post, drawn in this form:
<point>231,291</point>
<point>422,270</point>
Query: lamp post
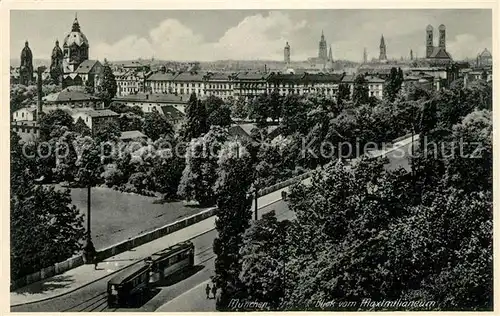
<point>255,196</point>
<point>89,249</point>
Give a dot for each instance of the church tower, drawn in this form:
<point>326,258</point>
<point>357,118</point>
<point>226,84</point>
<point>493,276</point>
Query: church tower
<point>330,55</point>
<point>411,54</point>
<point>56,64</point>
<point>26,68</point>
<point>383,55</point>
<point>75,47</point>
<point>287,53</point>
<point>322,53</point>
<point>429,41</point>
<point>442,36</point>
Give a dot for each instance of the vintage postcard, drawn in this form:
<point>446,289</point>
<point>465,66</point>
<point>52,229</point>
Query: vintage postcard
<point>190,158</point>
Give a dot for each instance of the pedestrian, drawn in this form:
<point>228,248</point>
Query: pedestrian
<point>214,290</point>
<point>207,290</point>
<point>95,261</point>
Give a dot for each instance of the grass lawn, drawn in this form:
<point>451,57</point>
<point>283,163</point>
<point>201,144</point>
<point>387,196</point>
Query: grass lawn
<point>118,216</point>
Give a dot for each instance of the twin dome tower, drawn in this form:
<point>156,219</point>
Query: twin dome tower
<point>435,51</point>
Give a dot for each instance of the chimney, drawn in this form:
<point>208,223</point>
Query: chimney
<point>265,68</point>
<point>39,72</point>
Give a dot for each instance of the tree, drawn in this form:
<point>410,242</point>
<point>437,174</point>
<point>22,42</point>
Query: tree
<point>394,83</point>
<point>109,132</point>
<point>450,238</point>
<point>82,128</point>
<point>45,228</point>
<point>218,113</point>
<point>263,257</point>
<point>156,126</point>
<point>343,94</point>
<point>88,163</point>
<point>469,153</point>
<point>360,92</point>
<point>275,105</point>
<point>21,96</point>
<point>66,157</point>
<point>259,110</point>
<point>130,122</point>
<point>165,168</point>
<point>51,124</point>
<point>107,88</point>
<point>239,108</point>
<point>196,119</point>
<point>200,173</point>
<point>122,108</point>
<point>90,86</point>
<point>294,115</point>
<point>233,218</point>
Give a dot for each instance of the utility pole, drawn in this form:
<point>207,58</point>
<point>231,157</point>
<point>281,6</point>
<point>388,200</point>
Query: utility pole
<point>89,249</point>
<point>255,203</point>
<point>89,235</point>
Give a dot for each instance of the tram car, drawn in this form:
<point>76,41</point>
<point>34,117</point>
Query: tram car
<point>171,260</point>
<point>129,285</point>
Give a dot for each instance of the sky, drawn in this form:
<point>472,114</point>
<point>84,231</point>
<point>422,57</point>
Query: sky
<point>207,35</point>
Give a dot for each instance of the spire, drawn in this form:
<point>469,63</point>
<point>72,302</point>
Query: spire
<point>330,55</point>
<point>322,35</point>
<point>383,55</point>
<point>76,25</point>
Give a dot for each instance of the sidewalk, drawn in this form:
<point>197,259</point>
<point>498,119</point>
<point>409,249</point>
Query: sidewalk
<point>81,276</point>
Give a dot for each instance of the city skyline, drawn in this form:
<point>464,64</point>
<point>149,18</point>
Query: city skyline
<point>251,34</point>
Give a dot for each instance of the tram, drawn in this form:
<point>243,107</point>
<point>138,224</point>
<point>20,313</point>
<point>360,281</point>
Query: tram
<point>129,285</point>
<point>134,282</point>
<point>170,260</point>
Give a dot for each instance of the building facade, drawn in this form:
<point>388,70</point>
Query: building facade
<point>26,67</point>
<point>250,84</point>
<point>485,59</point>
<point>285,84</point>
<point>437,54</point>
<point>160,82</point>
<point>77,68</point>
<point>130,82</point>
<point>56,64</point>
<point>96,119</point>
<point>220,85</point>
<point>73,97</point>
<point>28,131</point>
<point>188,83</point>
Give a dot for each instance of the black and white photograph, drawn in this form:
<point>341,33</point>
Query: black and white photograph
<point>250,160</point>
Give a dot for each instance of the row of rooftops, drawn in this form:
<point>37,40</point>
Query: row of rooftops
<point>70,94</point>
<point>154,98</point>
<point>243,76</point>
<point>72,111</point>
